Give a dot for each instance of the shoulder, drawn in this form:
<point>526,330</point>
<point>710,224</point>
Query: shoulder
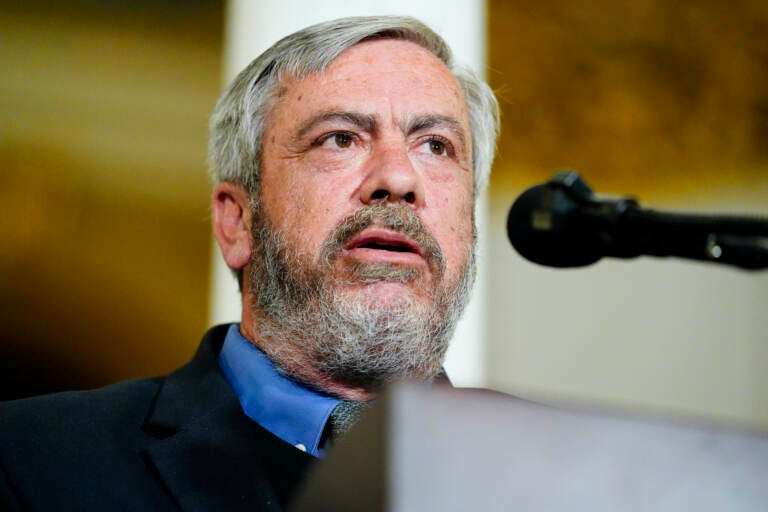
<point>91,446</point>
<point>74,448</point>
<point>83,413</point>
<point>122,406</point>
<point>54,442</point>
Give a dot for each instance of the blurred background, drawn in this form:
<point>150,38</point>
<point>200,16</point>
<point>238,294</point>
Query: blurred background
<point>104,227</point>
<point>105,236</point>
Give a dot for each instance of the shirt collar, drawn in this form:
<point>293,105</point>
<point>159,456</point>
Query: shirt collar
<point>293,412</point>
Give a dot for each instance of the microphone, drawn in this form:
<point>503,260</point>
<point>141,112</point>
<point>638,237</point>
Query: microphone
<point>563,223</point>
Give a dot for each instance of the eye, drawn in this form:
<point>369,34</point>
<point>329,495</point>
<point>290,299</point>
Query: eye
<point>437,147</point>
<point>336,140</point>
<point>342,139</point>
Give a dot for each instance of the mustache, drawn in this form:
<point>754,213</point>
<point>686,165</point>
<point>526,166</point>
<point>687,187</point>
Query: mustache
<point>395,217</point>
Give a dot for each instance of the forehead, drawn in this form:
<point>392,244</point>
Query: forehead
<point>397,75</point>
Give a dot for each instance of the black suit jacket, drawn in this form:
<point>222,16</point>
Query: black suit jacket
<point>179,442</point>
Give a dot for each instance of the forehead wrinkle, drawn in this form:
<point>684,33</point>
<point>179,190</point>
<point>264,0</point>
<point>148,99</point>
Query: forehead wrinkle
<point>365,122</point>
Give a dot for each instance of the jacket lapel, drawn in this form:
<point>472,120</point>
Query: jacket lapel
<point>209,454</point>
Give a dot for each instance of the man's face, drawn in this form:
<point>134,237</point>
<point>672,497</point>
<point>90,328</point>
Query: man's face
<point>364,231</point>
<point>386,123</point>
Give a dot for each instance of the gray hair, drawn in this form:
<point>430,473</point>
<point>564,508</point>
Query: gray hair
<point>239,119</point>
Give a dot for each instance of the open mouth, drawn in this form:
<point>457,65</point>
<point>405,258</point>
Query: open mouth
<point>385,246</point>
<point>385,242</point>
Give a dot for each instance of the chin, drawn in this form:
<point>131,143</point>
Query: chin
<point>387,294</point>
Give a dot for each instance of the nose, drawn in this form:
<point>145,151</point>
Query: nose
<point>392,177</point>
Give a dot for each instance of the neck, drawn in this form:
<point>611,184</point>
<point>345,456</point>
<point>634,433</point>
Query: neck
<point>290,359</point>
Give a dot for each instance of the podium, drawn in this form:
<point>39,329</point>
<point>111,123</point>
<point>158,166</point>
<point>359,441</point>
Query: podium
<point>444,449</point>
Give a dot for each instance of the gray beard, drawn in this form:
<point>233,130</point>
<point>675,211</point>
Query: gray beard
<point>302,310</point>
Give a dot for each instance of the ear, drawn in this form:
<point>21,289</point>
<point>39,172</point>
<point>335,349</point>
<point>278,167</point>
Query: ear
<point>232,224</point>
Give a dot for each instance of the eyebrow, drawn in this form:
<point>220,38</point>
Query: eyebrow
<point>368,123</point>
<point>362,121</point>
<point>425,122</point>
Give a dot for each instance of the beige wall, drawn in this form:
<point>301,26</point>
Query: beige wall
<point>668,101</point>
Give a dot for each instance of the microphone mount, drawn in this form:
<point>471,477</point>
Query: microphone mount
<point>563,223</point>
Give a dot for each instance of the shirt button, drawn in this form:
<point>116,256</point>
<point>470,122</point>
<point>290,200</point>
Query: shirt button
<point>301,447</point>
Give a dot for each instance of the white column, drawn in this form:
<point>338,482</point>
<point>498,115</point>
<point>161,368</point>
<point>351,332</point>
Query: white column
<point>254,25</point>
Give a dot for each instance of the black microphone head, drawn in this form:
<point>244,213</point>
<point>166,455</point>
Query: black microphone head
<point>544,225</point>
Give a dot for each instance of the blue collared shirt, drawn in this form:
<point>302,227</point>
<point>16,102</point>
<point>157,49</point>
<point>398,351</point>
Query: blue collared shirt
<point>294,413</point>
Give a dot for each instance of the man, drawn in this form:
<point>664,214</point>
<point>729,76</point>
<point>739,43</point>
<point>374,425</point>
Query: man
<point>346,160</point>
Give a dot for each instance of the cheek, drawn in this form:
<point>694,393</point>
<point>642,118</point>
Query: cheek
<point>452,225</point>
<point>307,214</point>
